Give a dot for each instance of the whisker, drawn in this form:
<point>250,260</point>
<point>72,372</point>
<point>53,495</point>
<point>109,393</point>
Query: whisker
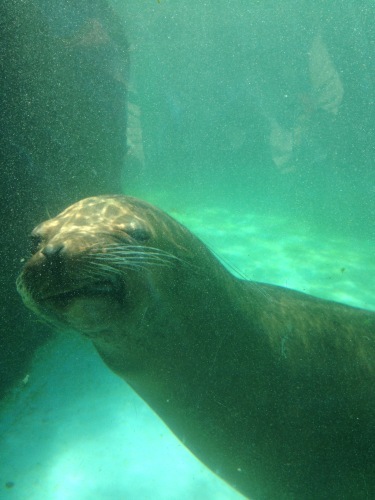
<point>133,261</point>
<point>111,261</point>
<point>115,258</point>
<point>136,251</point>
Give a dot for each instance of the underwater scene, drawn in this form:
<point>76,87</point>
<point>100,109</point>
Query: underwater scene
<point>200,322</point>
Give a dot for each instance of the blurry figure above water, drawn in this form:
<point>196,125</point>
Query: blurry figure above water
<point>278,84</point>
<point>326,94</point>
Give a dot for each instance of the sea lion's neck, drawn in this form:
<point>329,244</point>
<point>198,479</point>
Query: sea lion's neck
<point>188,333</point>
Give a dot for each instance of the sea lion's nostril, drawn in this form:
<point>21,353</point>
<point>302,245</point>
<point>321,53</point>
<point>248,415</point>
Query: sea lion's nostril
<point>52,251</point>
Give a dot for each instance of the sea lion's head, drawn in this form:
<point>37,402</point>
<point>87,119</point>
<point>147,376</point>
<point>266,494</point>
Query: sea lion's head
<point>103,261</point>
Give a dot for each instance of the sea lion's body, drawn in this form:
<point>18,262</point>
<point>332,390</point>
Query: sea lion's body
<point>272,389</point>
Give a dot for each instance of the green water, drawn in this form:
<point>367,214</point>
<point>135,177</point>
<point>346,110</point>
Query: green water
<point>225,89</point>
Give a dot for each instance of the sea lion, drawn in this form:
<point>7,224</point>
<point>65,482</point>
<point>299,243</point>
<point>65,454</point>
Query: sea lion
<point>270,388</point>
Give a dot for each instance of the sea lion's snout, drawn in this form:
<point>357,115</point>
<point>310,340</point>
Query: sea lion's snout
<point>62,285</point>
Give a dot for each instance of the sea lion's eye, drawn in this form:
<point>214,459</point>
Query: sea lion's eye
<point>35,242</point>
<point>137,233</point>
<point>133,231</point>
